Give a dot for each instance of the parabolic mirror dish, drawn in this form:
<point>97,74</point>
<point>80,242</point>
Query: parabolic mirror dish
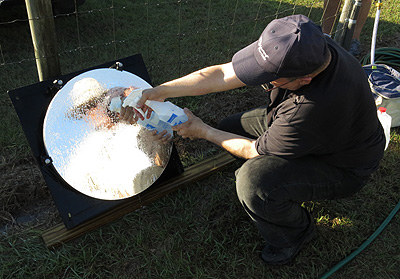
<point>90,148</point>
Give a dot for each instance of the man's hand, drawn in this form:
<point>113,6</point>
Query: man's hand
<point>193,128</point>
<point>142,111</point>
<point>129,115</point>
<point>151,94</point>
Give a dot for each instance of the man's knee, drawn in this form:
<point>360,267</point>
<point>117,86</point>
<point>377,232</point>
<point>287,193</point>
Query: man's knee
<point>261,189</point>
<point>256,180</point>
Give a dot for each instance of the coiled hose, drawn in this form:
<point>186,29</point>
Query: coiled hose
<point>386,55</point>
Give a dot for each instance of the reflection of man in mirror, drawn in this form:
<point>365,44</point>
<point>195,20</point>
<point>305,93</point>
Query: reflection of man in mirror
<point>101,107</point>
<point>97,104</point>
<point>108,142</point>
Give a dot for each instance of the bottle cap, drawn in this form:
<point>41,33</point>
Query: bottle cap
<point>382,109</point>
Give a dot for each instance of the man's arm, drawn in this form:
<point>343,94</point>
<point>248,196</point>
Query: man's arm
<point>237,145</point>
<point>212,79</point>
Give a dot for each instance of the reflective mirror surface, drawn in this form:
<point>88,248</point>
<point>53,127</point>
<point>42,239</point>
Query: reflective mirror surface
<point>90,148</point>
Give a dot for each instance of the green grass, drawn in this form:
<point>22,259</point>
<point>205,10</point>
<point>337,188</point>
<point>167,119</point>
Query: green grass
<point>200,231</point>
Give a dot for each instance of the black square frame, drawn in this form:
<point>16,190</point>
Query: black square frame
<point>31,103</point>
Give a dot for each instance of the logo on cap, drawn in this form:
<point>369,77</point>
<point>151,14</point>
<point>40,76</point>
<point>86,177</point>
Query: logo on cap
<point>262,52</point>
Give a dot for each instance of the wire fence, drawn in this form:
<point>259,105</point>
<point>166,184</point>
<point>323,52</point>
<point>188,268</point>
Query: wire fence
<point>174,37</point>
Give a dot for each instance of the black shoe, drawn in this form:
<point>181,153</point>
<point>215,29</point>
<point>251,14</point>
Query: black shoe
<point>278,256</point>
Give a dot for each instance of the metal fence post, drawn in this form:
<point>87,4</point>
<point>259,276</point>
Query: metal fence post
<point>343,22</point>
<point>352,22</point>
<point>41,22</point>
<point>347,22</point>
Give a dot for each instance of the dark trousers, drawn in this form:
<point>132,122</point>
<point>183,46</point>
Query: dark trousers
<point>271,189</point>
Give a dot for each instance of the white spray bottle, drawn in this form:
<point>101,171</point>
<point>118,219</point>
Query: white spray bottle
<point>164,115</point>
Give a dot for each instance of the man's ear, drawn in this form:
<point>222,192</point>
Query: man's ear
<point>305,80</point>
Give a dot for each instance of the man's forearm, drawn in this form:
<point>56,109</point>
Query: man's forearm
<point>208,80</point>
<point>236,145</point>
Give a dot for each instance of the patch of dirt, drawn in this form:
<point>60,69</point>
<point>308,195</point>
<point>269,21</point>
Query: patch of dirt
<point>24,197</point>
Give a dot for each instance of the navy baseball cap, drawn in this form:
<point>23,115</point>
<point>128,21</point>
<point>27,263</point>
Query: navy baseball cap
<point>292,46</point>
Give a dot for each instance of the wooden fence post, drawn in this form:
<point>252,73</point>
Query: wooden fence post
<point>41,22</point>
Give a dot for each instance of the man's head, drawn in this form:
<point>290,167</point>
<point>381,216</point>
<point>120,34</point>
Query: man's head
<point>288,47</point>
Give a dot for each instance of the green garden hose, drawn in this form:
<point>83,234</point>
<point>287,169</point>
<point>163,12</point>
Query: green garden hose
<point>389,56</point>
<point>364,245</point>
<point>386,55</point>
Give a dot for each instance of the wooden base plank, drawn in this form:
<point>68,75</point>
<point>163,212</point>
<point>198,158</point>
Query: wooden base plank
<point>60,234</point>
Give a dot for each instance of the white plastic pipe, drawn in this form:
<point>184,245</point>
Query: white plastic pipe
<point>375,31</point>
